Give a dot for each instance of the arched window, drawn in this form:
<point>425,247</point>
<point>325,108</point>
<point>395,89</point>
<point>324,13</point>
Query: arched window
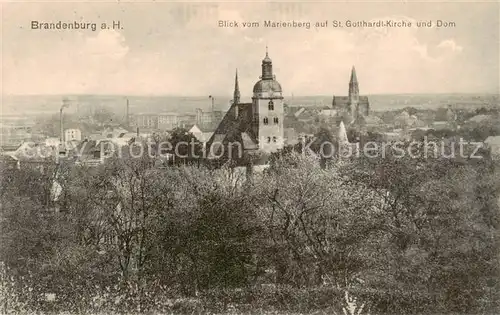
<point>271,105</point>
<point>275,120</point>
<point>268,139</point>
<point>274,139</point>
<point>266,120</point>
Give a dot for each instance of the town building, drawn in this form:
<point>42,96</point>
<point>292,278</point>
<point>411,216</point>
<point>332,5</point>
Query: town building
<point>209,120</point>
<point>493,143</point>
<point>144,120</point>
<point>168,121</point>
<point>14,129</point>
<point>186,120</point>
<point>72,134</point>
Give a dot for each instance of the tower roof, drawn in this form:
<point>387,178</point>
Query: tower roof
<point>236,84</point>
<point>268,81</point>
<point>266,86</point>
<point>236,94</point>
<point>267,68</point>
<point>266,58</point>
<point>354,78</point>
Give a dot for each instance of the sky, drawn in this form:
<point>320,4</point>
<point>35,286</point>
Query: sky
<point>179,49</point>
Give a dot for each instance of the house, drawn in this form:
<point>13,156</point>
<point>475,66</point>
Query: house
<point>113,132</point>
<point>201,134</point>
<point>308,115</point>
<point>493,143</point>
<point>93,152</point>
<point>480,118</point>
<point>36,155</point>
<point>440,125</point>
<point>373,121</point>
<point>299,112</point>
<point>52,142</point>
<point>73,134</point>
<point>5,148</point>
<point>328,112</point>
<point>8,161</point>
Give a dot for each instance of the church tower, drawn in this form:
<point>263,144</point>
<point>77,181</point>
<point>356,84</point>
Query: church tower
<point>353,101</point>
<point>267,109</point>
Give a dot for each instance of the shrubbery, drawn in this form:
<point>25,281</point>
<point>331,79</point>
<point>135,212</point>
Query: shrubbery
<point>403,236</point>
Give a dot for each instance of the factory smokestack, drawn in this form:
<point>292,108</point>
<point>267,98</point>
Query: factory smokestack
<point>127,117</point>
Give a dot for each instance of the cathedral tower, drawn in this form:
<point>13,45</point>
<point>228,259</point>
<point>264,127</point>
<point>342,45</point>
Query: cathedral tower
<point>353,93</point>
<point>267,109</point>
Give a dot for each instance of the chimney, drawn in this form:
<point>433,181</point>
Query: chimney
<point>127,118</point>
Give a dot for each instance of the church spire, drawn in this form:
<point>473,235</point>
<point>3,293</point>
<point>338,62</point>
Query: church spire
<point>353,90</point>
<point>354,78</point>
<point>236,94</point>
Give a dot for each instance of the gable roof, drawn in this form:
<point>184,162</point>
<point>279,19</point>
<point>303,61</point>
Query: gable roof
<point>342,101</point>
<point>233,129</point>
<point>202,136</point>
<point>35,153</point>
<point>6,158</point>
<point>9,147</point>
<point>299,112</point>
<point>480,118</point>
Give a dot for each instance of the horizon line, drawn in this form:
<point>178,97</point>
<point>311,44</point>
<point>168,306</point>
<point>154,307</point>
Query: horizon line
<point>228,96</point>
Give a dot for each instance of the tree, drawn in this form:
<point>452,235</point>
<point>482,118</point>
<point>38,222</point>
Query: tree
<point>184,146</point>
<point>102,116</point>
<point>314,231</point>
<point>434,233</point>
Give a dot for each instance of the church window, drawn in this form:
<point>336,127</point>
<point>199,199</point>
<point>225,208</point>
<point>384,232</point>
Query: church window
<point>271,105</point>
<point>274,139</point>
<point>268,139</point>
<point>275,120</point>
<point>266,120</point>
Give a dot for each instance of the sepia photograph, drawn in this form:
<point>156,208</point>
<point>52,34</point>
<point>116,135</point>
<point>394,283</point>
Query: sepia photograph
<point>250,157</point>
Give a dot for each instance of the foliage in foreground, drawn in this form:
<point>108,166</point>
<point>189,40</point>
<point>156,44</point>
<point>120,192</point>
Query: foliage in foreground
<point>403,236</point>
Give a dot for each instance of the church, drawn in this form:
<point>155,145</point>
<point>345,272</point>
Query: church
<point>249,129</point>
<point>354,107</point>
